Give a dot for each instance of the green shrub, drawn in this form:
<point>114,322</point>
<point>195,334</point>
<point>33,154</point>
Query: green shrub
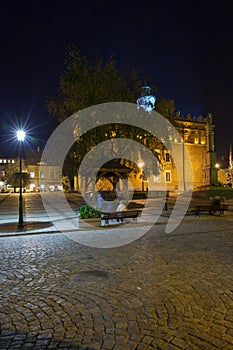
<point>88,212</point>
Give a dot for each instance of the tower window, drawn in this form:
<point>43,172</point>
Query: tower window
<point>167,157</point>
<point>167,176</point>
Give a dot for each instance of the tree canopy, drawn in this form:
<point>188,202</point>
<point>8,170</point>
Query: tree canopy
<point>83,84</point>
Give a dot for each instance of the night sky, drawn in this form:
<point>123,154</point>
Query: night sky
<point>186,48</point>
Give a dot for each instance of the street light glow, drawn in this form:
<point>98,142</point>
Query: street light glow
<point>20,135</point>
<point>141,165</point>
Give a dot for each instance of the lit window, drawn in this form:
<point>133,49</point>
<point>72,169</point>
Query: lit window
<point>13,160</point>
<point>4,161</point>
<point>157,178</point>
<point>42,175</point>
<point>32,174</point>
<point>203,140</point>
<point>186,135</point>
<point>196,139</point>
<point>167,176</point>
<point>0,160</point>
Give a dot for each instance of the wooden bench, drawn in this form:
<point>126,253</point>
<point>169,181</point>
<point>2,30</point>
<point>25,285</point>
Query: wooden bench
<point>119,216</point>
<point>211,208</point>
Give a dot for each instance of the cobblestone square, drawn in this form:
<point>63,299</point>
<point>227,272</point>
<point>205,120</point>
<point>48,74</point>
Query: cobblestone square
<point>163,291</point>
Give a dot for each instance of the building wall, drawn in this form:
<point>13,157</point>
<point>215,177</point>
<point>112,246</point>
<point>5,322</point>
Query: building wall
<point>191,163</point>
<point>44,177</point>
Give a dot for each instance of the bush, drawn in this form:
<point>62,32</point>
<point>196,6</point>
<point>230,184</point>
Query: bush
<point>88,212</point>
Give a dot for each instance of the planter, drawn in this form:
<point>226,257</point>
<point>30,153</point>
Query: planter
<point>87,223</point>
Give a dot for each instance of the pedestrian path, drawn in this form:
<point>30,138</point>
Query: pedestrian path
<point>37,220</point>
<point>38,227</point>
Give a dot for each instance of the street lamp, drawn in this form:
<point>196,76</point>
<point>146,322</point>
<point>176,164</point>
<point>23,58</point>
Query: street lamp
<point>20,136</point>
<point>141,165</point>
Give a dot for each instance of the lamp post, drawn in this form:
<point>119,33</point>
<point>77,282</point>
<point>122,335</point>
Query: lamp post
<point>20,137</point>
<point>183,155</point>
<point>140,165</point>
<point>217,167</point>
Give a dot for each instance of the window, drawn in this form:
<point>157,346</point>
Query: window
<point>167,176</point>
<point>51,175</point>
<point>42,175</point>
<point>196,139</point>
<point>191,138</point>
<point>203,139</point>
<point>32,174</point>
<point>186,136</point>
<point>157,178</point>
<point>167,157</point>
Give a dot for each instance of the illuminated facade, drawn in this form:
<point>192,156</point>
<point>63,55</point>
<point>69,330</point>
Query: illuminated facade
<point>198,137</point>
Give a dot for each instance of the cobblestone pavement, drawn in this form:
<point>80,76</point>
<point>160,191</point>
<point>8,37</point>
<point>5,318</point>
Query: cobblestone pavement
<point>163,291</point>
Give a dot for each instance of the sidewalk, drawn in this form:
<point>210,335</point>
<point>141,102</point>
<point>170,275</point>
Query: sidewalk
<point>39,227</point>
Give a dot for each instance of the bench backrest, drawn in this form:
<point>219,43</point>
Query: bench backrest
<point>121,214</point>
<point>212,206</point>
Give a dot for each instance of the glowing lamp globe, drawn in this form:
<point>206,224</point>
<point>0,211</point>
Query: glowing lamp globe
<point>20,135</point>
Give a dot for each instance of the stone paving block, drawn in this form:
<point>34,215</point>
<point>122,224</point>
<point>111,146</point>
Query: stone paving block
<point>147,339</point>
<point>5,343</point>
<point>108,343</point>
<point>143,346</point>
<point>167,347</point>
<point>180,343</point>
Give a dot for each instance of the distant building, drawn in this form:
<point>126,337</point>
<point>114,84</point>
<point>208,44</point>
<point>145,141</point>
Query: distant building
<point>42,177</point>
<point>4,162</point>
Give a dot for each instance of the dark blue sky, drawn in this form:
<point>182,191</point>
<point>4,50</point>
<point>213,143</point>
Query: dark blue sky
<point>185,47</point>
